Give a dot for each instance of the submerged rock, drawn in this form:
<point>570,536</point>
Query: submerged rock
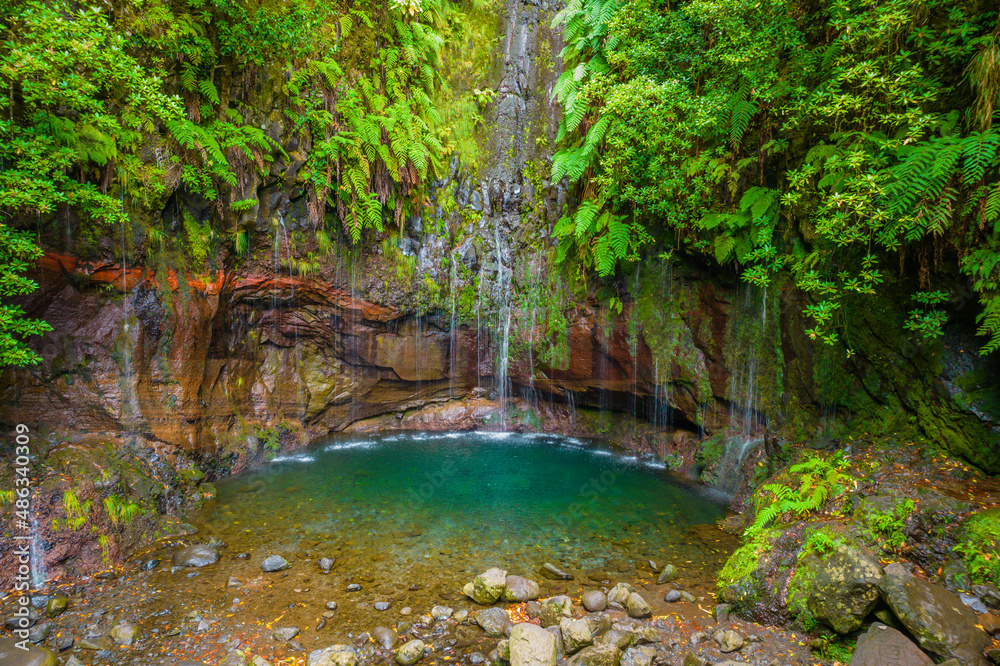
<point>668,575</point>
<point>274,563</point>
<point>410,653</point>
<point>530,645</point>
<point>940,622</point>
<point>285,633</point>
<point>553,572</point>
<point>199,555</point>
<point>234,658</point>
<point>881,641</point>
<point>441,613</point>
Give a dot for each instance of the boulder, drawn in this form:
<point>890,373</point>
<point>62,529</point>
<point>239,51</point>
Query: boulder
<point>637,607</point>
<point>668,575</point>
<point>385,637</point>
<point>639,656</point>
<point>492,620</point>
<point>728,640</point>
<point>940,622</point>
<point>442,613</point>
<point>619,636</point>
<point>284,634</point>
<point>554,609</point>
<point>125,633</point>
<point>594,601</point>
<point>599,623</point>
<point>620,593</point>
<point>520,589</point>
<point>410,653</point>
<point>576,634</point>
<point>553,572</point>
<point>530,645</point>
<point>598,655</point>
<point>335,655</point>
<point>199,555</point>
<point>12,655</point>
<point>56,605</point>
<point>841,588</point>
<point>488,586</point>
<point>881,645</point>
<point>274,563</point>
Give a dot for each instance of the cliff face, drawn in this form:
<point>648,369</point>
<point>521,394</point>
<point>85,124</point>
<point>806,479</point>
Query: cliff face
<point>462,306</point>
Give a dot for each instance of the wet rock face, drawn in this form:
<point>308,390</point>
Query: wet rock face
<point>12,655</point>
<point>530,645</point>
<point>940,622</point>
<point>882,645</point>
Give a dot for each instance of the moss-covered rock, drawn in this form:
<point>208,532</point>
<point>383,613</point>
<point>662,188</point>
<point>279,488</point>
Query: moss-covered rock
<point>838,589</point>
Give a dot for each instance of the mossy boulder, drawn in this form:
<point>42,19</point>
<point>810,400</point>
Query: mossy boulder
<point>488,586</point>
<point>839,589</point>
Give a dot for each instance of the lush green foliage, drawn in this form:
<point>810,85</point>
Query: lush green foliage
<point>980,547</point>
<point>817,140</point>
<point>107,110</point>
<point>16,250</point>
<point>889,526</point>
<point>814,481</point>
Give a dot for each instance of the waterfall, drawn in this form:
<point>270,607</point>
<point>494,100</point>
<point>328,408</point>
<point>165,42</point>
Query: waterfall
<point>452,330</point>
<point>502,298</point>
<point>751,338</point>
<point>729,473</point>
<point>37,557</point>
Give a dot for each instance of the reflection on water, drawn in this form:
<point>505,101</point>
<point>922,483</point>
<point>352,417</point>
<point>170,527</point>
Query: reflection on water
<point>448,503</point>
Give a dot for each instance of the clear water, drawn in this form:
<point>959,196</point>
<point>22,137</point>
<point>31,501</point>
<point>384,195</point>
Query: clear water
<point>440,506</point>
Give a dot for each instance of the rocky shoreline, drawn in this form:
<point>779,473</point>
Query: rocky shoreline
<point>94,622</point>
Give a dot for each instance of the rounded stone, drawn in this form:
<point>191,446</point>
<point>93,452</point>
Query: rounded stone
<point>594,601</point>
<point>410,653</point>
<point>274,563</point>
<point>199,555</point>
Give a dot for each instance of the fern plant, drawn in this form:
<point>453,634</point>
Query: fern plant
<point>815,480</point>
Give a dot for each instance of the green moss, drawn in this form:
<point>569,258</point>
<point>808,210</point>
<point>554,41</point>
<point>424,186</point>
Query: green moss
<point>192,474</point>
<point>746,559</point>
